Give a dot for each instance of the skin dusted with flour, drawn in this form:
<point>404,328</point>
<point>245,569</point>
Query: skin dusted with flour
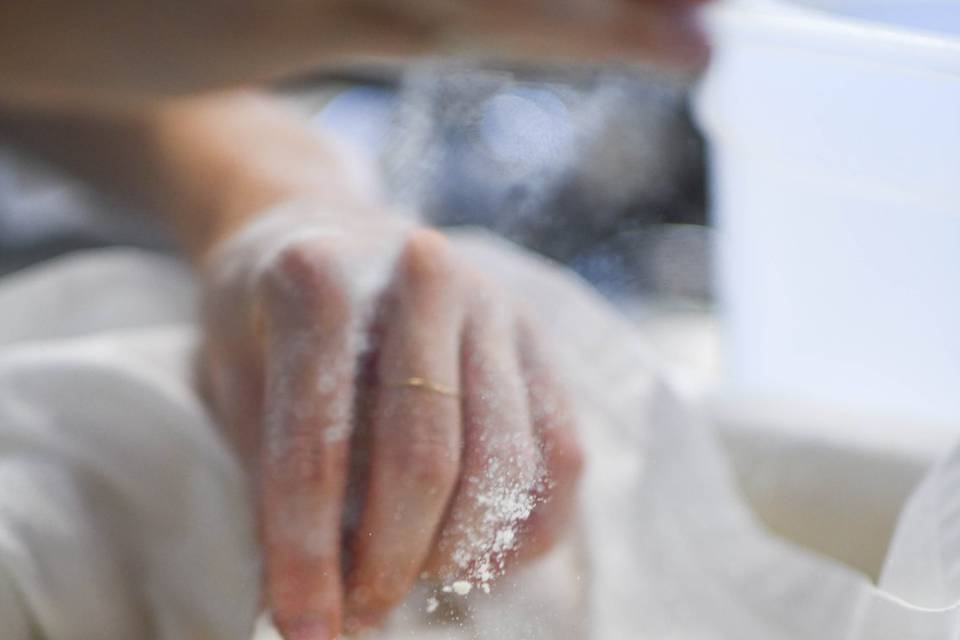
<point>457,487</point>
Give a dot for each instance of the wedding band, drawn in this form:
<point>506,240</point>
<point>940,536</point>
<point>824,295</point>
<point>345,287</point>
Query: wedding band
<point>426,385</point>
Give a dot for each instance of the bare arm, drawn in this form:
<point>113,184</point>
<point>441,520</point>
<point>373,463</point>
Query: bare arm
<point>203,165</point>
<point>55,52</point>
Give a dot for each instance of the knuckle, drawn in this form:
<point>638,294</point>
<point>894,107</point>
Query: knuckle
<point>565,458</point>
<point>429,464</point>
<point>288,476</point>
<point>304,264</point>
<point>427,263</point>
<point>310,275</point>
<point>515,461</point>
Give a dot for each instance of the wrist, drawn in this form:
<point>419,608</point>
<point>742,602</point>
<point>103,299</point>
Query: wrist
<point>239,156</point>
<point>247,199</point>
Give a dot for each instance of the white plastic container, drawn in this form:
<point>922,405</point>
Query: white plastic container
<point>834,130</point>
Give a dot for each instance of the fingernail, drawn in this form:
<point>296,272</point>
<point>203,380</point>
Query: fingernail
<point>310,629</point>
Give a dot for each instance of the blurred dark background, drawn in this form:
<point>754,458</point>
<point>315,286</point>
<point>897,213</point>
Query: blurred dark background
<point>601,170</point>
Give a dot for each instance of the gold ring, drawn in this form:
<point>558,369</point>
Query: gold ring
<point>426,385</point>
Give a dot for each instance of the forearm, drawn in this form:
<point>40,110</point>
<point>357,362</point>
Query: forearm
<point>58,52</point>
<point>203,165</point>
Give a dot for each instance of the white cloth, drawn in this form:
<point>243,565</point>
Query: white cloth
<point>122,516</point>
<point>112,483</point>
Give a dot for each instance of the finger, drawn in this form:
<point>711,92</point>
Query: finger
<point>554,425</point>
<point>416,433</point>
<point>500,462</point>
<point>230,368</point>
<point>309,374</point>
<point>231,383</point>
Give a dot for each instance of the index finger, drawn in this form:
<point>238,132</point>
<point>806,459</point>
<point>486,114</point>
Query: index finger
<point>309,392</point>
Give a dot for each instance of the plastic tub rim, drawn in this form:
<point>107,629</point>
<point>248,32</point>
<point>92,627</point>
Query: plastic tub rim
<point>787,25</point>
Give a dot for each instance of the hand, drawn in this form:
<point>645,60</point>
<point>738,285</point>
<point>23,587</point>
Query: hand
<point>315,327</point>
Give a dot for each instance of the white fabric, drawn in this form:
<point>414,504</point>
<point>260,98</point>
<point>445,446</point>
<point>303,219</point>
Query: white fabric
<point>112,483</point>
<point>122,516</point>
